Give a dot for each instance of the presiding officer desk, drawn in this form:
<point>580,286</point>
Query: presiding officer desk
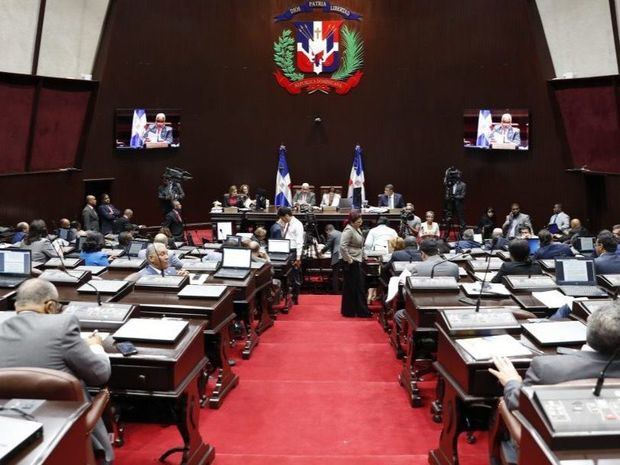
<point>64,430</point>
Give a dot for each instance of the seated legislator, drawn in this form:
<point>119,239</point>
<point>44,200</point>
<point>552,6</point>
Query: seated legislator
<point>549,249</point>
<point>575,232</point>
<point>304,196</point>
<point>379,236</point>
<point>107,214</point>
<point>232,198</point>
<point>498,241</point>
<point>21,231</point>
<point>603,341</point>
<point>391,199</point>
<point>429,228</point>
<point>607,262</point>
<point>158,264</point>
<point>90,217</point>
<point>91,250</point>
<point>409,254</point>
<point>487,223</point>
<point>41,249</point>
<point>514,221</point>
<point>521,263</point>
<point>525,232</point>
<point>65,231</point>
<point>158,132</point>
<point>504,132</point>
<point>467,242</point>
<point>173,260</point>
<point>38,337</point>
<point>260,236</point>
<point>330,198</point>
<point>123,223</point>
<point>244,193</point>
<point>174,221</point>
<point>258,254</point>
<point>560,219</point>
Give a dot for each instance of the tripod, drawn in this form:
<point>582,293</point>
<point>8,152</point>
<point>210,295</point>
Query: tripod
<point>449,224</point>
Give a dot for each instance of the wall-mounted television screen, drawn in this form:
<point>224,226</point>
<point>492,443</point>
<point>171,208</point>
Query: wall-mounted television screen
<point>147,128</point>
<point>507,129</point>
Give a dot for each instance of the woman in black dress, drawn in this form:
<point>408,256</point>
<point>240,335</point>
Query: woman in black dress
<point>352,253</point>
<point>487,223</point>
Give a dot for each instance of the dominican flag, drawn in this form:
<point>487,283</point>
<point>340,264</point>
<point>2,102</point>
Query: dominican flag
<point>283,182</point>
<point>485,123</point>
<point>137,128</point>
<point>356,179</point>
<point>318,45</point>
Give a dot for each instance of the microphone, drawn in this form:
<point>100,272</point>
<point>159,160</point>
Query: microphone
<point>160,263</point>
<point>601,377</point>
<point>484,281</point>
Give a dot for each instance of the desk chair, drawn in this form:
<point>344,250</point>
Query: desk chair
<point>42,383</point>
<point>505,427</point>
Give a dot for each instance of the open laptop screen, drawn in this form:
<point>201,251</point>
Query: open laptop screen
<point>224,229</point>
<point>135,247</point>
<point>279,245</point>
<point>573,271</point>
<point>15,262</point>
<point>586,244</point>
<point>236,258</point>
<point>534,244</point>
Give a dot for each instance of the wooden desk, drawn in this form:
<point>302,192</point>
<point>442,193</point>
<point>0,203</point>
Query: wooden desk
<point>71,294</point>
<point>172,374</point>
<point>6,299</point>
<point>216,315</point>
<point>421,336</point>
<point>64,435</point>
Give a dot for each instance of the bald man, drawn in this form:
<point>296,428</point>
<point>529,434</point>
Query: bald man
<point>505,132</point>
<point>90,218</point>
<point>159,260</point>
<point>159,132</point>
<point>173,260</point>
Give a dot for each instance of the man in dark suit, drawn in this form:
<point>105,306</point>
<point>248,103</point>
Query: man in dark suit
<point>332,245</point>
<point>391,199</point>
<point>65,231</point>
<point>607,262</point>
<point>39,337</point>
<point>107,214</point>
<point>575,232</point>
<point>521,263</point>
<point>549,249</point>
<point>90,218</point>
<point>174,222</point>
<point>409,254</point>
<point>124,222</point>
<point>603,335</point>
<point>498,241</point>
<point>159,132</point>
<point>467,242</point>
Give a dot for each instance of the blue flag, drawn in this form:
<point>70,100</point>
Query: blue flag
<point>283,182</point>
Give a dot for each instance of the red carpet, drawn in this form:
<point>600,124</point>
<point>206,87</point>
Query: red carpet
<point>319,389</point>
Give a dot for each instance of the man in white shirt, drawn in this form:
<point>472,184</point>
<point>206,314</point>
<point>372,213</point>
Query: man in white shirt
<point>379,236</point>
<point>293,229</point>
<point>559,218</point>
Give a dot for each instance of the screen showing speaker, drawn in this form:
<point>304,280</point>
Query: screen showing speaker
<point>147,128</point>
<point>496,129</point>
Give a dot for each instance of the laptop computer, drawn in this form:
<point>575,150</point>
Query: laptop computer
<point>15,267</point>
<point>236,263</point>
<point>553,228</point>
<point>534,244</point>
<point>223,230</point>
<point>585,244</point>
<point>232,241</point>
<point>279,250</point>
<point>576,278</point>
<point>135,247</point>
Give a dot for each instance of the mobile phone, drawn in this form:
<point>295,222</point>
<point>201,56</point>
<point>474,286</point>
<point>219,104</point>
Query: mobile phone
<point>126,348</point>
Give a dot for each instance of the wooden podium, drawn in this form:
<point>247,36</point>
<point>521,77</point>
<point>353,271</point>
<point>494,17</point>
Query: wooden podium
<point>156,145</point>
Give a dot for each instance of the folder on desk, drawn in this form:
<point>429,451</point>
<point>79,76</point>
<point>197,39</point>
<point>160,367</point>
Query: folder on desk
<point>16,435</point>
<point>484,348</point>
<point>126,263</point>
<point>490,289</point>
<point>155,330</point>
<point>529,283</point>
<point>486,321</point>
<point>553,333</point>
<point>108,316</point>
<point>65,277</point>
<point>161,282</point>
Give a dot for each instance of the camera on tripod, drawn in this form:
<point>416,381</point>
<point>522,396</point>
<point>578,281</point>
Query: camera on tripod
<point>406,215</point>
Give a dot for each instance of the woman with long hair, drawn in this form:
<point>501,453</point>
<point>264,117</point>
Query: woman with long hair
<point>352,253</point>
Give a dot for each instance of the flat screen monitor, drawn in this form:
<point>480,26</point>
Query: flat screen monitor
<point>496,129</point>
<point>236,258</point>
<point>223,229</point>
<point>147,128</point>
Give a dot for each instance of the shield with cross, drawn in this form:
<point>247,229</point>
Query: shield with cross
<point>318,46</point>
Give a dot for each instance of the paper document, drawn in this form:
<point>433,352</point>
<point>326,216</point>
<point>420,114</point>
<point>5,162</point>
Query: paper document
<point>87,334</point>
<point>553,299</point>
<point>479,275</point>
<point>483,348</point>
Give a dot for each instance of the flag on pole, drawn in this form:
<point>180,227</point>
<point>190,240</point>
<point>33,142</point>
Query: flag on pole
<point>356,179</point>
<point>485,123</point>
<point>137,128</point>
<point>283,182</point>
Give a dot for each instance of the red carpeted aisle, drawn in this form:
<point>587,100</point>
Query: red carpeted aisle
<point>319,389</point>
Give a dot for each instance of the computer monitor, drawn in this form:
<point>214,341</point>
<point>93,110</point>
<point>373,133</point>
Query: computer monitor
<point>15,261</point>
<point>236,258</point>
<point>135,247</point>
<point>232,241</point>
<point>223,230</point>
<point>534,244</point>
<point>279,245</point>
<point>586,244</point>
<point>574,271</point>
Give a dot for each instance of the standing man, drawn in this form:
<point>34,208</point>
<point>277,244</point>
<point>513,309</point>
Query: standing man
<point>90,218</point>
<point>560,219</point>
<point>159,132</point>
<point>305,196</point>
<point>293,229</point>
<point>107,213</point>
<point>391,199</point>
<point>174,221</point>
<point>454,197</point>
<point>515,220</point>
<point>333,245</point>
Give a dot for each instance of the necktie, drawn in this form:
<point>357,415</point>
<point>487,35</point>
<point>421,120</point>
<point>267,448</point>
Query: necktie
<point>178,216</point>
<point>285,231</point>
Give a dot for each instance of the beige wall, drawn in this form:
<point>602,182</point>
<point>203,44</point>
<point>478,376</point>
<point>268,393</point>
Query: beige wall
<point>580,37</point>
<point>18,27</point>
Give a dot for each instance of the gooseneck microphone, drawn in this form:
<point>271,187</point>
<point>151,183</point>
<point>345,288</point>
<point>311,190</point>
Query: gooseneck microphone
<point>482,284</point>
<point>601,377</point>
<point>444,261</point>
